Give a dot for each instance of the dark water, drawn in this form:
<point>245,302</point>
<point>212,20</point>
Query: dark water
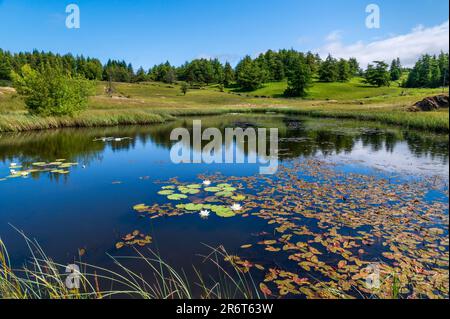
<point>91,207</point>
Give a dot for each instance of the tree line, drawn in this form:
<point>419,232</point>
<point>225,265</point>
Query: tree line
<point>297,68</point>
<point>429,72</point>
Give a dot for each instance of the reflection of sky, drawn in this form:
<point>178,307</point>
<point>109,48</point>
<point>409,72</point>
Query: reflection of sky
<point>401,160</point>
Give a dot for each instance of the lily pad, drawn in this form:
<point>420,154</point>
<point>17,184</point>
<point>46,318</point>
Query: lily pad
<point>238,198</point>
<point>223,211</point>
<point>177,197</point>
<point>194,207</point>
<point>165,192</point>
<point>224,194</point>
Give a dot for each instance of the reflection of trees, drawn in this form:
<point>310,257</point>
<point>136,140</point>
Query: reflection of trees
<point>435,146</point>
<point>298,136</point>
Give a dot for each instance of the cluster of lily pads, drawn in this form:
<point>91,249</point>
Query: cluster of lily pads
<point>330,228</point>
<point>136,238</point>
<point>220,199</point>
<point>59,166</point>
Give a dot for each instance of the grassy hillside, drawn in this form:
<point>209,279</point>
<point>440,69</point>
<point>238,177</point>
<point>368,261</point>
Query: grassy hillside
<point>355,89</point>
<point>157,102</point>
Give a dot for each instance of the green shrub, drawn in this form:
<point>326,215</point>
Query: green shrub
<point>50,92</point>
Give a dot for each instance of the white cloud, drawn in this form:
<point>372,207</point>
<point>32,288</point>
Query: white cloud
<point>334,36</point>
<point>408,47</point>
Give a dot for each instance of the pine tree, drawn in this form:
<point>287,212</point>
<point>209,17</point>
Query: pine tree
<point>141,76</point>
<point>249,75</point>
<point>299,79</point>
<point>228,75</point>
<point>354,66</point>
<point>344,71</point>
<point>328,71</point>
<point>378,75</point>
<point>396,70</point>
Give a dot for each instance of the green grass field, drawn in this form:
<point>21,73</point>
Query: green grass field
<point>153,102</point>
<point>355,89</point>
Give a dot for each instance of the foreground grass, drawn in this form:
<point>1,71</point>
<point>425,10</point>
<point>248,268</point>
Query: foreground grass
<point>149,103</point>
<point>43,278</point>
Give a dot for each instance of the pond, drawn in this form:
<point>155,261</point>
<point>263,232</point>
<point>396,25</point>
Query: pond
<point>348,195</point>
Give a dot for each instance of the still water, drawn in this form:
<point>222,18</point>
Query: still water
<point>90,206</point>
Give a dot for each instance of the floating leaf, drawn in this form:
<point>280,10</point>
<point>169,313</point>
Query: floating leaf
<point>194,207</point>
<point>265,290</point>
<point>238,198</point>
<point>177,197</point>
<point>165,192</point>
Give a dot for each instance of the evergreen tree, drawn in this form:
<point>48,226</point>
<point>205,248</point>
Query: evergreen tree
<point>228,75</point>
<point>5,67</point>
<point>141,76</point>
<point>344,71</point>
<point>354,66</point>
<point>396,70</point>
<point>328,71</point>
<point>378,75</point>
<point>313,61</point>
<point>299,79</point>
<point>249,75</point>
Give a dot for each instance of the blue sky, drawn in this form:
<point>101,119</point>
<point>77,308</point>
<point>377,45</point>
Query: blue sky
<point>152,31</point>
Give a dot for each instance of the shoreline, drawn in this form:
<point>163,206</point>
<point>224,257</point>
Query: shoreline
<point>10,123</point>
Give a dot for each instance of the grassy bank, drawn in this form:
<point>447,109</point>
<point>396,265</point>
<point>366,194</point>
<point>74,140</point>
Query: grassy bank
<point>150,103</point>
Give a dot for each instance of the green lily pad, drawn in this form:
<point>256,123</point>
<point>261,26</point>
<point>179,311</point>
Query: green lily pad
<point>213,189</point>
<point>168,187</point>
<point>194,186</point>
<point>194,207</point>
<point>190,191</point>
<point>224,194</point>
<point>165,192</point>
<point>223,211</point>
<point>177,197</point>
<point>238,198</point>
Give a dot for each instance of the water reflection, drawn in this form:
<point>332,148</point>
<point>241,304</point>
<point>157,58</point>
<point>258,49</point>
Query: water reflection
<point>297,137</point>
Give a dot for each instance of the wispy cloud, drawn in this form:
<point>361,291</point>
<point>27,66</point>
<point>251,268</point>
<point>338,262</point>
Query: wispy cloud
<point>334,36</point>
<point>408,47</point>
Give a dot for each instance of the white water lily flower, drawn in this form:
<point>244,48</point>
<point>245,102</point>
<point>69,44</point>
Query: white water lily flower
<point>236,207</point>
<point>205,213</point>
<point>13,164</point>
<point>206,183</point>
<point>13,172</point>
